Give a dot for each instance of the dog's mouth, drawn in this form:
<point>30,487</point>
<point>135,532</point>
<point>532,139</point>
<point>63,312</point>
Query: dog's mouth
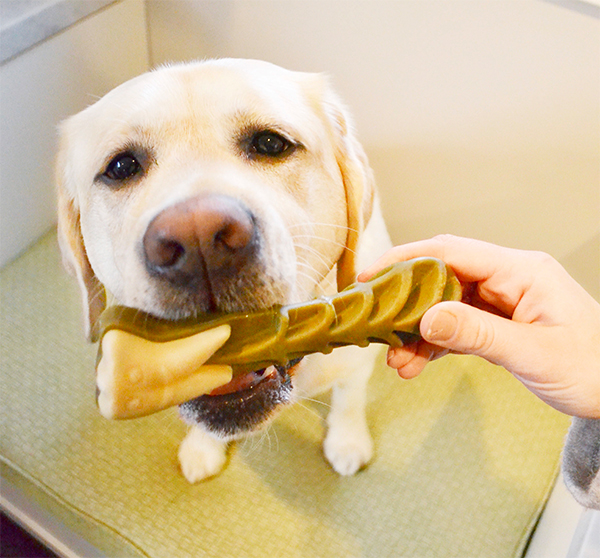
<point>244,403</point>
<point>246,383</point>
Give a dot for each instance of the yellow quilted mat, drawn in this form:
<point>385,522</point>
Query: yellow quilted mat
<point>465,456</point>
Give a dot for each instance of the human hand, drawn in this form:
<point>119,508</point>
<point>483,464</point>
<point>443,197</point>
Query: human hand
<point>521,310</point>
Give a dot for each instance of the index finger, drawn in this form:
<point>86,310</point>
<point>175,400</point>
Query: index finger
<point>472,260</point>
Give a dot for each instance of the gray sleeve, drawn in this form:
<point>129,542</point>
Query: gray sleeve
<point>581,461</point>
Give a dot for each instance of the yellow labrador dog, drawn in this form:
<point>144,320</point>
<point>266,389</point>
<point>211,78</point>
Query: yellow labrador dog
<point>225,185</point>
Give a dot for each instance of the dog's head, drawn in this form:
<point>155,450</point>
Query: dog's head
<point>217,186</point>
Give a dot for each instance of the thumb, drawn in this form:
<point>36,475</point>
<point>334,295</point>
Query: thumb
<point>465,329</point>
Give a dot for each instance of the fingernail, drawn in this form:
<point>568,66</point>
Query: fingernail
<point>442,326</point>
<point>428,353</point>
<point>391,357</point>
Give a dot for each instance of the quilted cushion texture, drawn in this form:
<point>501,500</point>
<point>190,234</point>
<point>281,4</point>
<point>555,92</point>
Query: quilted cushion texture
<point>465,456</point>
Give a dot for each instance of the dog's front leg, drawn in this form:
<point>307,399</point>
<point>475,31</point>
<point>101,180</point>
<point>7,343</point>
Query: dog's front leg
<point>201,456</point>
<point>348,445</point>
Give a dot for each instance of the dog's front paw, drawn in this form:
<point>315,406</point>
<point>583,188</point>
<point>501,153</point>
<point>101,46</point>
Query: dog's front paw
<point>201,456</point>
<point>348,450</point>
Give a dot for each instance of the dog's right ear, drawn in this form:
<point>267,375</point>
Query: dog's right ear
<point>73,251</point>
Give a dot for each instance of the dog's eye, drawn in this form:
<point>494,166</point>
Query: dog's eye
<point>122,167</point>
<point>270,144</point>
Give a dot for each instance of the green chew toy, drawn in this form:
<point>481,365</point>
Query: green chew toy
<point>146,363</point>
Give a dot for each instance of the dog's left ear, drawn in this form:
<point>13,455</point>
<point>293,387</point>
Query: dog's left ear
<point>73,251</point>
<point>358,183</point>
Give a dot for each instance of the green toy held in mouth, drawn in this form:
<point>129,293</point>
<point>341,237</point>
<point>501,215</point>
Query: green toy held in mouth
<point>146,364</point>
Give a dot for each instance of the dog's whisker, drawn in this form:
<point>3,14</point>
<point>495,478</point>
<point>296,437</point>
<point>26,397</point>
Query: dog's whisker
<point>321,274</point>
<point>305,274</point>
<point>305,247</point>
<point>304,259</point>
<point>303,396</point>
<point>315,273</point>
<point>257,442</point>
<point>265,436</point>
<point>305,294</point>
<point>274,431</point>
<point>253,444</point>
<point>313,250</point>
<point>311,280</point>
<point>309,410</point>
<point>331,241</point>
<point>330,225</point>
<point>249,445</point>
<point>314,276</point>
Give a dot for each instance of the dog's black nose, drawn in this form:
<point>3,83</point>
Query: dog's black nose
<point>200,239</point>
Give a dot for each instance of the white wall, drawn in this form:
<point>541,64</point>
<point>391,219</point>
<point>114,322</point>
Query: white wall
<point>41,87</point>
<point>480,118</point>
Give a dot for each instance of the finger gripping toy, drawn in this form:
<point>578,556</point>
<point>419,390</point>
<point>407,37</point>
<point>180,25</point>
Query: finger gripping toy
<point>166,355</point>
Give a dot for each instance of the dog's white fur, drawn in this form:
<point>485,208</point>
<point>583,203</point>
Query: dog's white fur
<point>318,210</point>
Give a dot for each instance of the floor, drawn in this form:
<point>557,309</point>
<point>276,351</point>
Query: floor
<point>17,543</point>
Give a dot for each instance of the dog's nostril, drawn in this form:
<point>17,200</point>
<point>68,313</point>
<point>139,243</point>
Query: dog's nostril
<point>235,235</point>
<point>162,253</point>
<point>167,253</point>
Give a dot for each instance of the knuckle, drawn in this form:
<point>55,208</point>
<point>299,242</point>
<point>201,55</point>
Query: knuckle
<point>445,239</point>
<point>482,337</point>
<point>445,244</point>
<point>543,260</point>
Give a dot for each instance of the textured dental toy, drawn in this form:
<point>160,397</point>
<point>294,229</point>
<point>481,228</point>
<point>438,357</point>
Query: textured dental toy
<point>146,364</point>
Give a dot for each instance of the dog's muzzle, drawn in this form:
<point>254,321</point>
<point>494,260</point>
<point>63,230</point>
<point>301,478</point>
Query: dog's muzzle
<point>243,404</point>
